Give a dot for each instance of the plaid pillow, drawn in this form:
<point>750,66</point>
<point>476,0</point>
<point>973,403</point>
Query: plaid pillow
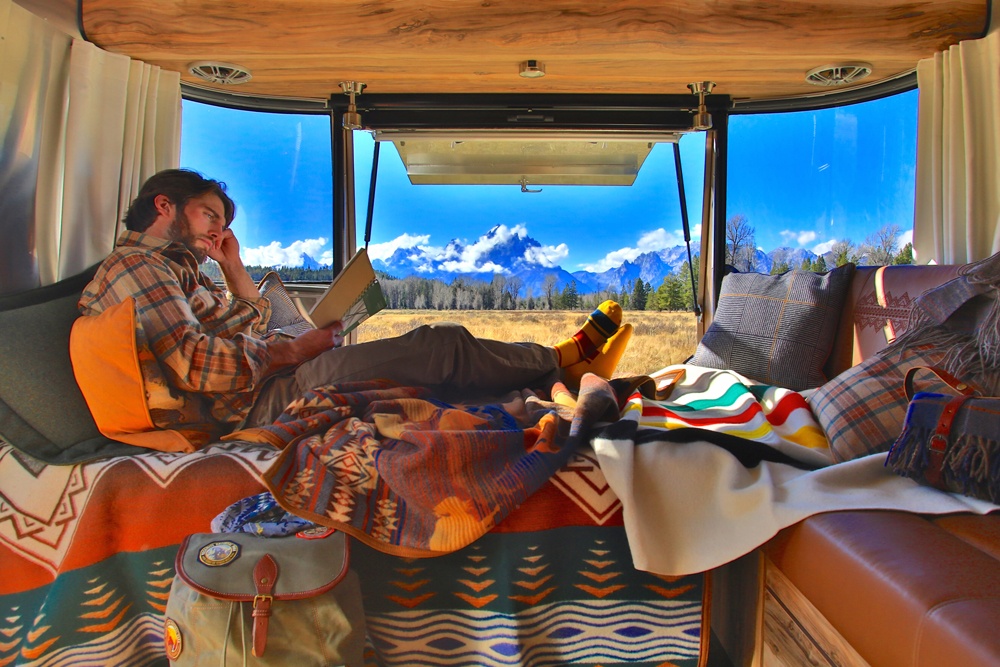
<point>862,409</point>
<point>777,330</point>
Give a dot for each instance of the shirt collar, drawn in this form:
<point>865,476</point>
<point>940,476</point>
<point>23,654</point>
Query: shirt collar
<point>140,240</point>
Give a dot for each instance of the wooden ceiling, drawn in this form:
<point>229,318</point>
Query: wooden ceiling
<point>750,48</point>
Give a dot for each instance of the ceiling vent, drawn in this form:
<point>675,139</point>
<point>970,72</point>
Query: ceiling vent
<point>838,75</point>
<point>215,72</point>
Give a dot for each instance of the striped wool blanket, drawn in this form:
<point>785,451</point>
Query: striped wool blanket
<point>412,476</point>
<point>709,465</point>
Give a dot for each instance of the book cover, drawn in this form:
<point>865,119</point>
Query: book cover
<point>352,297</point>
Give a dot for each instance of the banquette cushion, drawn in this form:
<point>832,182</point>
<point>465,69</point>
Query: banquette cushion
<point>42,412</point>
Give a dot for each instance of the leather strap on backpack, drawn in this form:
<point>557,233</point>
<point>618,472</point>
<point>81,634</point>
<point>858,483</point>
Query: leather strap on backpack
<point>964,388</point>
<point>265,572</point>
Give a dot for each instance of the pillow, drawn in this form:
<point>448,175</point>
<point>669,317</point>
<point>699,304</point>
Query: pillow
<point>777,330</point>
<point>42,412</point>
<point>862,409</point>
<point>285,316</point>
<point>105,360</point>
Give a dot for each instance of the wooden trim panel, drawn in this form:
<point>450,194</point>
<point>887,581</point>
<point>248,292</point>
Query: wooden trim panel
<point>796,634</point>
<point>751,49</point>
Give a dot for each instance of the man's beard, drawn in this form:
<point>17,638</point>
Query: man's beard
<point>180,230</point>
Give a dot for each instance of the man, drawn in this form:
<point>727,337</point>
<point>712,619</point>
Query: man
<point>213,369</point>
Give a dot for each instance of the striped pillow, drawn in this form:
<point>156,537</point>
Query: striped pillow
<point>862,409</point>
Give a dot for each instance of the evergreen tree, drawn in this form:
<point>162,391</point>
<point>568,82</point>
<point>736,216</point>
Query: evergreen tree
<point>637,299</point>
<point>570,297</point>
<point>819,266</point>
<point>905,255</point>
<point>806,264</point>
<point>780,267</point>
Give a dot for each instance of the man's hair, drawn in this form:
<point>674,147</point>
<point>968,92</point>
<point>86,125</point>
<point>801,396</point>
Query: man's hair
<point>179,186</point>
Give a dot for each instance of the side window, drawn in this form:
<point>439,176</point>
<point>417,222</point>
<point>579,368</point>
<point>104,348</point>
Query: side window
<point>278,170</point>
<point>817,189</point>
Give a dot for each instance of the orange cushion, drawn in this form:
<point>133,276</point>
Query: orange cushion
<point>106,366</point>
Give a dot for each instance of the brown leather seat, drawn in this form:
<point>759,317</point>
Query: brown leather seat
<point>904,590</point>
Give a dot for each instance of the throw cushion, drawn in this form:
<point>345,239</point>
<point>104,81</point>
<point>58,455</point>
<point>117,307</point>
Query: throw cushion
<point>862,409</point>
<point>105,360</point>
<point>777,330</point>
<point>42,412</point>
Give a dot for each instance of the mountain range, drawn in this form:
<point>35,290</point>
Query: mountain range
<point>518,255</point>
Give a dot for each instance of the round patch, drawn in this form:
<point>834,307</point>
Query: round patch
<point>172,640</point>
<point>315,533</point>
<point>218,553</point>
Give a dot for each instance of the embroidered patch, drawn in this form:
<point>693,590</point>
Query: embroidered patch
<point>315,533</point>
<point>172,640</point>
<point>217,554</point>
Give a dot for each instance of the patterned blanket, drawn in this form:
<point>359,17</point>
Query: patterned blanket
<point>709,465</point>
<point>88,550</point>
<point>411,476</point>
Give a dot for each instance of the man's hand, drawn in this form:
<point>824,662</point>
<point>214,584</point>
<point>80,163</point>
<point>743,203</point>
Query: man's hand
<point>226,251</point>
<point>286,353</point>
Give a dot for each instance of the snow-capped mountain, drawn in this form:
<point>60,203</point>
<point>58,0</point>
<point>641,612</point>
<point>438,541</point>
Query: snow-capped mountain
<point>518,255</point>
<point>311,264</point>
<point>512,253</point>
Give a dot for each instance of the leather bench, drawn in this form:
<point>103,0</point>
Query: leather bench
<point>902,590</point>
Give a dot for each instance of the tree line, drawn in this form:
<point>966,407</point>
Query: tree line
<point>880,248</point>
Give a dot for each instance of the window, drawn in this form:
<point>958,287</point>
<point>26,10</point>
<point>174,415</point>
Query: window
<point>823,187</point>
<point>278,171</point>
<point>594,240</point>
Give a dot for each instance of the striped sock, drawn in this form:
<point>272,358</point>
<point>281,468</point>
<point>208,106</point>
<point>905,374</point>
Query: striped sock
<point>604,364</point>
<point>588,341</point>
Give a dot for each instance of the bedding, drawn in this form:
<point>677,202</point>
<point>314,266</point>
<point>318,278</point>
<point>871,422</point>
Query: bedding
<point>689,505</point>
<point>88,549</point>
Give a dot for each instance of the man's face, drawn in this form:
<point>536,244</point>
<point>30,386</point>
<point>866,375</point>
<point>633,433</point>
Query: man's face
<point>200,225</point>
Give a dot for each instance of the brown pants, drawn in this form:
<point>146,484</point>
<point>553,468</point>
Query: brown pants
<point>443,356</point>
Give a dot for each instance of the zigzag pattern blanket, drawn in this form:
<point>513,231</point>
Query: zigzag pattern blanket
<point>412,476</point>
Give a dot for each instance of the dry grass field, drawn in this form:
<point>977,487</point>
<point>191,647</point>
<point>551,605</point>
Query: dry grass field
<point>658,339</point>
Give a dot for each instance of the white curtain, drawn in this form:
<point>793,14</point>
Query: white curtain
<point>104,124</point>
<point>957,216</point>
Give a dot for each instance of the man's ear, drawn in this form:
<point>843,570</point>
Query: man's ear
<point>163,205</point>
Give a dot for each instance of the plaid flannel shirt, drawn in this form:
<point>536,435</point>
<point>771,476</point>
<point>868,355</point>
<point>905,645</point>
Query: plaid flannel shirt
<point>206,355</point>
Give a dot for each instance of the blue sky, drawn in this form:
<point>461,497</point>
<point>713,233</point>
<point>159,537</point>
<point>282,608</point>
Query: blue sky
<point>802,180</point>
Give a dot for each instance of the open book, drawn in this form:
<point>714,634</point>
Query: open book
<point>352,297</point>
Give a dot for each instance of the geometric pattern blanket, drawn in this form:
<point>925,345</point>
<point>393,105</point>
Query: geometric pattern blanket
<point>88,551</point>
<point>411,476</point>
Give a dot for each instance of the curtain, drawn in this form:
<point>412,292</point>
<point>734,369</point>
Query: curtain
<point>83,128</point>
<point>957,217</point>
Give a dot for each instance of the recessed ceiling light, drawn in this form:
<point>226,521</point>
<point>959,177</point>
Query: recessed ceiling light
<point>216,72</point>
<point>838,75</point>
<point>532,69</point>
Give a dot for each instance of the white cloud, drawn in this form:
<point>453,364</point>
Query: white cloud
<point>802,238</point>
<point>547,256</point>
<point>276,254</point>
<point>470,258</point>
<point>385,250</point>
<point>824,247</point>
<point>658,239</point>
<point>905,237</point>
